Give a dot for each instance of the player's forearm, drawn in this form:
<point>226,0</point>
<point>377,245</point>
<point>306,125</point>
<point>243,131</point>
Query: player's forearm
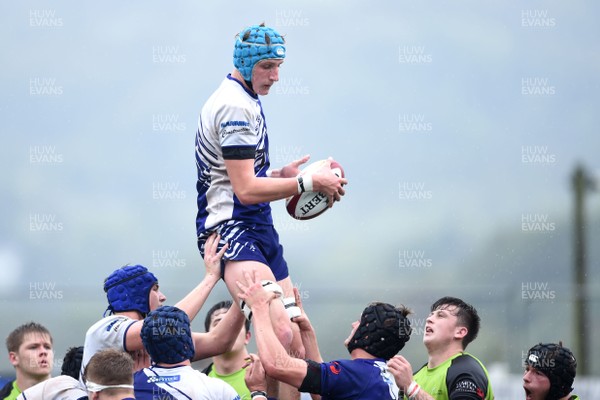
<point>311,346</point>
<point>417,393</point>
<point>261,190</point>
<point>276,361</point>
<point>422,396</point>
<point>269,347</point>
<point>194,300</point>
<point>221,338</point>
<point>224,334</point>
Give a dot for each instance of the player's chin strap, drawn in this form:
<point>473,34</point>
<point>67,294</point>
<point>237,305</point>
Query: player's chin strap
<point>249,83</point>
<point>269,286</point>
<point>96,387</point>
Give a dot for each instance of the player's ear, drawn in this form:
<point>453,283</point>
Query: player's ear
<point>13,358</point>
<point>461,332</point>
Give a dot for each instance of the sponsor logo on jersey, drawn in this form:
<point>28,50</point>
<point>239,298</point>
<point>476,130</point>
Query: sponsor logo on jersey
<point>466,386</point>
<point>163,379</point>
<point>238,131</point>
<point>115,324</point>
<point>235,127</point>
<point>335,368</point>
<point>234,123</point>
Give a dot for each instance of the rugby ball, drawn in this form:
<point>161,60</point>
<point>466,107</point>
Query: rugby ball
<point>309,205</point>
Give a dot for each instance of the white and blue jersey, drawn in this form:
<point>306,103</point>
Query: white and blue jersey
<point>231,126</point>
<point>108,333</point>
<point>181,382</point>
<point>364,379</point>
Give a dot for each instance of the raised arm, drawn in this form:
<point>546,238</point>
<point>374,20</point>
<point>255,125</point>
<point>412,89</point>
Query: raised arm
<point>194,300</point>
<point>221,338</point>
<point>276,361</point>
<point>307,332</point>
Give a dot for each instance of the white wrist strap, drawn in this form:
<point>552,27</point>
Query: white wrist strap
<point>413,390</point>
<point>305,183</point>
<point>291,307</point>
<point>269,286</point>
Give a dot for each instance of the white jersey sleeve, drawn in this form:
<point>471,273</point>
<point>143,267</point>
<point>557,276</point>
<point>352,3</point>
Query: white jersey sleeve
<point>59,387</point>
<point>108,333</point>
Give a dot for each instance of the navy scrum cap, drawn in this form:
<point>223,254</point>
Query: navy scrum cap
<point>128,289</point>
<point>167,335</point>
<point>382,332</point>
<point>557,363</point>
<point>255,43</point>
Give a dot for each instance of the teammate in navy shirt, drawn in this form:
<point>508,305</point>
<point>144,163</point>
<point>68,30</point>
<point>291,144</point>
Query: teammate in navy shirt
<point>380,334</point>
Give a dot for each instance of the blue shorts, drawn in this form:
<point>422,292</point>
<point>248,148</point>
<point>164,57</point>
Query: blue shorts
<point>250,242</point>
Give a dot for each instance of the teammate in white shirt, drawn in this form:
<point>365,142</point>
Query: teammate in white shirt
<point>235,184</point>
<point>133,291</point>
<point>109,376</point>
<point>167,337</point>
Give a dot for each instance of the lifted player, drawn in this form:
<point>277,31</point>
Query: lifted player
<point>234,183</point>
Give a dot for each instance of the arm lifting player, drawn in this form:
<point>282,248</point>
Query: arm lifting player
<point>380,334</point>
<point>133,291</point>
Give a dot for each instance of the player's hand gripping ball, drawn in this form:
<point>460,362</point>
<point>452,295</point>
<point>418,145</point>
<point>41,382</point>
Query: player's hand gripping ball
<point>311,204</point>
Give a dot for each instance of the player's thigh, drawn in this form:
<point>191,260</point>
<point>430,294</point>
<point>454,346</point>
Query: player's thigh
<point>234,271</point>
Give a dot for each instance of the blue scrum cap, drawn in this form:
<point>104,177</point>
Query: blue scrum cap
<point>167,335</point>
<point>255,43</point>
<point>128,289</point>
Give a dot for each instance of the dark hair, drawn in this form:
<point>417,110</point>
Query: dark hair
<point>72,362</point>
<point>465,313</point>
<point>226,304</point>
<point>14,340</point>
